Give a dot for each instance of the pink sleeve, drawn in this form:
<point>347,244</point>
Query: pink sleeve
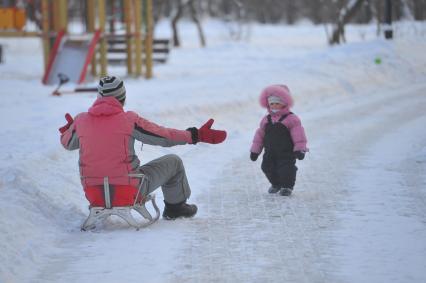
<point>154,130</point>
<point>297,132</point>
<point>257,145</point>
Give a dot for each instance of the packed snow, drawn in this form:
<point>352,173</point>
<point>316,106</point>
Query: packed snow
<point>358,211</point>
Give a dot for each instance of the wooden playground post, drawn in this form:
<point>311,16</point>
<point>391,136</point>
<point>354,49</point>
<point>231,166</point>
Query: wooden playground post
<point>90,20</point>
<point>55,16</point>
<point>63,15</point>
<point>60,15</point>
<point>90,15</point>
<point>103,43</point>
<point>45,31</point>
<point>129,36</point>
<point>148,39</point>
<point>138,39</point>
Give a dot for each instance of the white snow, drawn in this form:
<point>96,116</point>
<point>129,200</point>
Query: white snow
<point>358,210</point>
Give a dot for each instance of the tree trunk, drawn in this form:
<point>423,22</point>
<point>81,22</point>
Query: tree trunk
<point>315,12</point>
<point>290,11</point>
<point>375,11</point>
<point>344,18</point>
<point>158,11</point>
<point>419,9</point>
<point>197,23</point>
<point>176,18</point>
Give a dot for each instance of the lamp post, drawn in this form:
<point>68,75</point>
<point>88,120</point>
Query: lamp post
<point>388,19</point>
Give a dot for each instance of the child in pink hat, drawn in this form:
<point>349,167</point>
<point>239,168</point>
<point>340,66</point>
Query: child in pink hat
<point>282,136</point>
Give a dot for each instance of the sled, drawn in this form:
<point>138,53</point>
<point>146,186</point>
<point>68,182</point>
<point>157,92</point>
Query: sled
<point>108,199</point>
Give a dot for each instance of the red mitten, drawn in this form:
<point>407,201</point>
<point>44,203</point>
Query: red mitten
<point>208,135</point>
<point>70,120</point>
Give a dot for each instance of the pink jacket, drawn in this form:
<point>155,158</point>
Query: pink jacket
<point>292,122</point>
<point>106,135</point>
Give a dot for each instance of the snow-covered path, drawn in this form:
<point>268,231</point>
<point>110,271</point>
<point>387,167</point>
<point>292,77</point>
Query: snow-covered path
<point>250,236</point>
<point>243,234</point>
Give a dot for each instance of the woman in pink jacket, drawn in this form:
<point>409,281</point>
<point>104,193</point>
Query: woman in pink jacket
<point>282,136</point>
<point>105,137</point>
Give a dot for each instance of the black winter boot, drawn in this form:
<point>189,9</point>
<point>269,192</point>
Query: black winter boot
<point>182,209</point>
<point>286,191</point>
<point>273,190</point>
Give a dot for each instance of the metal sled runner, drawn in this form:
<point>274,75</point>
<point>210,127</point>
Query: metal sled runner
<point>107,199</point>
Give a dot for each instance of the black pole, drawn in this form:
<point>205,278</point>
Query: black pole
<point>388,19</point>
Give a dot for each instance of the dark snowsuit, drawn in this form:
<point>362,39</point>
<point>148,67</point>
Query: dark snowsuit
<point>279,163</point>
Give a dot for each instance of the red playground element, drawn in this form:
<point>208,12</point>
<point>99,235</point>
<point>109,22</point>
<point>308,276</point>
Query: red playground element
<point>71,56</point>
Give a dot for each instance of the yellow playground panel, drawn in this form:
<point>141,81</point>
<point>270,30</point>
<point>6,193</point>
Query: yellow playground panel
<point>12,18</point>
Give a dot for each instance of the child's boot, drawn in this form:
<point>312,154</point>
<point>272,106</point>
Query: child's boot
<point>286,191</point>
<point>182,209</point>
<point>273,190</point>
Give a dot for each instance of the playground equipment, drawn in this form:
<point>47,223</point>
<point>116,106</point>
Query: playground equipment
<point>85,55</point>
<point>71,57</point>
<point>117,50</point>
<point>63,79</point>
<point>12,18</point>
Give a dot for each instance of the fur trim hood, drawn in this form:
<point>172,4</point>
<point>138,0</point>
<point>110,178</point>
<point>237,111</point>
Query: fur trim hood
<point>280,91</point>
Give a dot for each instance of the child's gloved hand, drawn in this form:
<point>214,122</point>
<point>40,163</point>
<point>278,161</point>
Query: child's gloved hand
<point>254,156</point>
<point>70,120</point>
<point>299,155</point>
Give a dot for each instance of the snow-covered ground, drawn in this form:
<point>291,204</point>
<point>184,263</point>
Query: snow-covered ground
<point>358,212</point>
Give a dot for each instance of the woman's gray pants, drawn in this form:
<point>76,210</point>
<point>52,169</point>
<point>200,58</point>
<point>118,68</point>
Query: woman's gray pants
<point>169,173</point>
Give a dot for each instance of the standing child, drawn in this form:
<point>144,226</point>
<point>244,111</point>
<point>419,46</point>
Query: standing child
<point>283,137</point>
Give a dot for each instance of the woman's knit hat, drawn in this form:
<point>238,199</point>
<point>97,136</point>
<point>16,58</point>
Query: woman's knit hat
<point>112,87</point>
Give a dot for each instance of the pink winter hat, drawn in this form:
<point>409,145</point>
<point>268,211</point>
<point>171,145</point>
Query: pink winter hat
<point>272,92</point>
